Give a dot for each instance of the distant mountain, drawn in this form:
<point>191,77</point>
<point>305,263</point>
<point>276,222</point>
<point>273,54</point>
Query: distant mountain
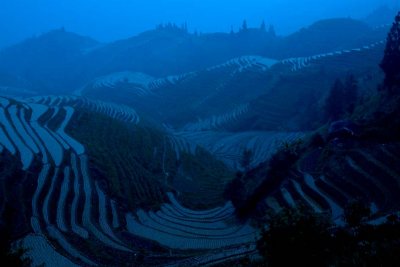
<point>381,16</point>
<point>48,62</point>
<point>327,36</point>
<point>169,50</point>
<point>62,62</point>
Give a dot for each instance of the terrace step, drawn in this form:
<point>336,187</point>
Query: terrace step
<point>72,209</point>
<point>336,209</point>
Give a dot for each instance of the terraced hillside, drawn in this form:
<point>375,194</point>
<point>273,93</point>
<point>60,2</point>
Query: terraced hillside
<point>229,147</point>
<point>241,93</point>
<point>133,169</point>
<point>233,107</point>
<point>326,175</point>
<point>301,90</point>
<point>70,215</point>
<point>220,88</point>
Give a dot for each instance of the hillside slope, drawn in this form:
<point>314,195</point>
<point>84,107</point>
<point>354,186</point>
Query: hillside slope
<point>84,198</point>
<point>354,158</point>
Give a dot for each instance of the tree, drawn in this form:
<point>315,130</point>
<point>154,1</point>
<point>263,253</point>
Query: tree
<point>263,27</point>
<point>350,94</point>
<point>271,30</point>
<point>303,238</point>
<point>391,60</point>
<point>244,26</point>
<point>355,212</point>
<point>296,238</point>
<point>7,255</point>
<point>185,27</point>
<point>247,158</point>
<point>235,190</point>
<point>334,104</point>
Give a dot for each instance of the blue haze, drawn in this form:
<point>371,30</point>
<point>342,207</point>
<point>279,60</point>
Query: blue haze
<point>108,20</point>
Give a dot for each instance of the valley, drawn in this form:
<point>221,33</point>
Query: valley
<point>177,149</point>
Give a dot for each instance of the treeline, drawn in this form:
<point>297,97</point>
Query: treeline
<point>342,99</point>
<point>173,27</point>
<point>344,95</point>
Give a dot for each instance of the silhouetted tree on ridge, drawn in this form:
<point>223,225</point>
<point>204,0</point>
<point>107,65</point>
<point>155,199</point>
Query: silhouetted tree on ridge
<point>334,104</point>
<point>244,26</point>
<point>247,158</point>
<point>271,30</point>
<point>391,60</point>
<point>350,93</point>
<point>263,27</point>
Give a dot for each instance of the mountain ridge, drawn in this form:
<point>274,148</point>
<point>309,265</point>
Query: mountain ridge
<point>161,52</point>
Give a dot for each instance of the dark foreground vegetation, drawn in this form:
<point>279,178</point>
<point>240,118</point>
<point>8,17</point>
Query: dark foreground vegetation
<point>300,237</point>
<point>10,257</point>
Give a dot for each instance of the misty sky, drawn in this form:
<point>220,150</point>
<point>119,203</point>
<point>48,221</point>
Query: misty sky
<point>108,20</point>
